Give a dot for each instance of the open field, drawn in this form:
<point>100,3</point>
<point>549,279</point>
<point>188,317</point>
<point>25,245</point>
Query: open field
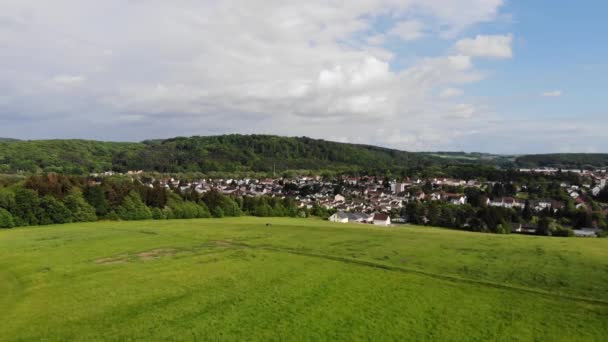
<point>298,279</point>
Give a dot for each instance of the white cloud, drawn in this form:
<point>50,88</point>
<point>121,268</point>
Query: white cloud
<point>408,30</point>
<point>553,93</point>
<point>195,67</point>
<point>486,46</point>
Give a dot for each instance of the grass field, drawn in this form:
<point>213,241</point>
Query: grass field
<point>298,279</point>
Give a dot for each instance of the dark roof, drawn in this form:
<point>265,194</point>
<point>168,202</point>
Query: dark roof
<point>380,217</point>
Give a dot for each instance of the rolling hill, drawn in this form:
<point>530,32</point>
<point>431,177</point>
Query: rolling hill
<point>249,153</point>
<point>226,153</point>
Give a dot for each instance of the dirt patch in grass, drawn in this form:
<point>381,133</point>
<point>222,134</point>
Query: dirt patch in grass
<point>143,256</point>
<point>224,243</point>
<point>121,259</point>
<point>155,253</point>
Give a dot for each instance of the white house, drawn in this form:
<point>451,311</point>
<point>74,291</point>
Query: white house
<point>340,217</point>
<point>344,217</point>
<point>455,199</point>
<point>382,219</point>
<point>339,198</point>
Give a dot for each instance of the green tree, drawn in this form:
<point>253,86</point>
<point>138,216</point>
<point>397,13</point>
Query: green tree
<point>53,211</point>
<point>157,214</point>
<point>78,206</point>
<point>217,212</point>
<point>6,219</point>
<point>544,226</point>
<point>133,208</point>
<point>230,207</point>
<point>7,199</point>
<point>26,207</point>
<point>263,210</point>
<point>96,197</point>
<point>433,214</point>
<point>112,216</point>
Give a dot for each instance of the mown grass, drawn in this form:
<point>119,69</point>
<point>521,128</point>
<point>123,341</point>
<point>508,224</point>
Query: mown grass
<point>238,279</point>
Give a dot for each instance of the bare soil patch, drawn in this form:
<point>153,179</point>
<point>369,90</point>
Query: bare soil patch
<point>155,253</point>
<point>120,259</point>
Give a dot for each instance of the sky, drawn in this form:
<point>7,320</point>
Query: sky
<point>498,76</point>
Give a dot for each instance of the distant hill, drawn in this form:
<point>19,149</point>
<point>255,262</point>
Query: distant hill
<point>247,153</point>
<point>8,139</point>
<point>224,153</point>
<point>564,160</point>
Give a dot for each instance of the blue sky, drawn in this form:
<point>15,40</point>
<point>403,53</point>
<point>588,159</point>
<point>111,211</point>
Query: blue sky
<point>476,75</point>
<point>557,46</point>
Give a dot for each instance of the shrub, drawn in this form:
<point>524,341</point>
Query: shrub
<point>217,212</point>
<point>6,219</point>
<point>113,216</point>
<point>158,214</point>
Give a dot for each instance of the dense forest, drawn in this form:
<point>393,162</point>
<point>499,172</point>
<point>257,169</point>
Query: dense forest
<point>226,153</point>
<point>249,153</point>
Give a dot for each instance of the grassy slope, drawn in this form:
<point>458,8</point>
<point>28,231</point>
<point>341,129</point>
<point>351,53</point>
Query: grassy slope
<point>298,279</point>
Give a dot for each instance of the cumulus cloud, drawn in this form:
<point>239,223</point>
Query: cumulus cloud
<point>134,70</point>
<point>553,93</point>
<point>497,46</point>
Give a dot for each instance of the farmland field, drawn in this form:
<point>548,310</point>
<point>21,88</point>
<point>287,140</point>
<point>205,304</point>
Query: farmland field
<point>296,279</point>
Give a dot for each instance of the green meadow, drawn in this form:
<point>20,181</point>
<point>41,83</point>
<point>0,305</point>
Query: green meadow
<point>297,279</point>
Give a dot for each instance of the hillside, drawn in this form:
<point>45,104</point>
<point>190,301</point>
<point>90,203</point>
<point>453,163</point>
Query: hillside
<point>298,279</point>
<point>70,156</point>
<point>249,153</point>
<point>226,153</point>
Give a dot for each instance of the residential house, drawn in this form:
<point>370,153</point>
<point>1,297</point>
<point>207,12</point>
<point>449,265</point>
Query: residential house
<point>455,199</point>
<point>340,216</point>
<point>382,219</point>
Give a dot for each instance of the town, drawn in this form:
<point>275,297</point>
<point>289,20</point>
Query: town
<point>580,205</point>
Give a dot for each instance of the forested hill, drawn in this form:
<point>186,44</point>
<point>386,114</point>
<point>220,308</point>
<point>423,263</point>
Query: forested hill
<point>564,160</point>
<point>226,153</point>
<point>245,153</point>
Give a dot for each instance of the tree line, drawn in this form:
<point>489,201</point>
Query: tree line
<point>55,199</point>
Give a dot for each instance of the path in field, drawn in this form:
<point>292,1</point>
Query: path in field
<point>366,263</point>
<point>419,272</point>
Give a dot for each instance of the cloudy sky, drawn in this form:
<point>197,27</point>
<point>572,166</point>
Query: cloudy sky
<point>505,76</point>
